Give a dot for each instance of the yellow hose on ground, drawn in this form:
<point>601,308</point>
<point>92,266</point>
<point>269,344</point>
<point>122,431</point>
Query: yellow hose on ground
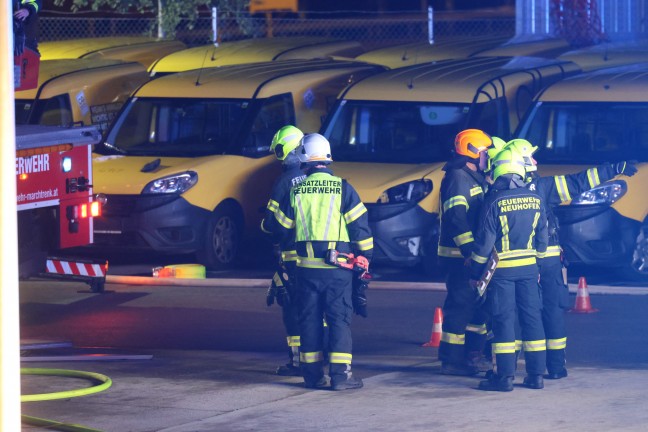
<point>105,383</point>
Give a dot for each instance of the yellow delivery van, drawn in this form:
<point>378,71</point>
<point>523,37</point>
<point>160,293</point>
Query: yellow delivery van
<point>78,92</point>
<point>255,51</point>
<point>460,48</point>
<point>144,50</point>
<point>587,120</point>
<point>392,133</point>
<point>186,167</point>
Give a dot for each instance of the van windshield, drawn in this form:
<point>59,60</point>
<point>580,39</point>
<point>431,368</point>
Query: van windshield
<point>195,127</point>
<point>394,132</point>
<point>588,132</point>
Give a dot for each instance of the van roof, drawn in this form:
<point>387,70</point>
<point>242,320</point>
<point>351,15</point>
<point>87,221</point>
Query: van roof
<point>448,81</point>
<point>77,48</point>
<point>608,55</point>
<point>550,47</point>
<point>254,51</point>
<point>423,52</point>
<point>238,81</point>
<point>52,69</point>
<point>620,84</point>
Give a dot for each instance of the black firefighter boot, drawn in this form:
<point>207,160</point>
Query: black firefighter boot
<point>497,383</point>
<point>535,382</point>
<point>292,367</point>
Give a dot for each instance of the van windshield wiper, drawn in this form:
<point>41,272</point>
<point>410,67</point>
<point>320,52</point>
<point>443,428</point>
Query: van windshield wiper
<point>115,148</point>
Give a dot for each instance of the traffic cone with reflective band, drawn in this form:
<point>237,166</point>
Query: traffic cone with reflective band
<point>435,337</point>
<point>583,304</point>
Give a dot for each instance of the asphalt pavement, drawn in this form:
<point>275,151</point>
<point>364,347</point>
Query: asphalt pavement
<point>202,359</point>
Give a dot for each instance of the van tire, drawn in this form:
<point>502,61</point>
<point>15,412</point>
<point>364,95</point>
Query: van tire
<point>222,238</point>
<point>639,264</point>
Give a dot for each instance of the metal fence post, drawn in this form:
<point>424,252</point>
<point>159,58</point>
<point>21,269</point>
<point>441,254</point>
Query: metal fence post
<point>430,25</point>
<point>215,25</point>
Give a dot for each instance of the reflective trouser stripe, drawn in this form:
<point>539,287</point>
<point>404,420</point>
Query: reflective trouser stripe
<point>452,338</point>
<point>536,345</point>
<point>479,329</point>
<point>336,357</point>
<point>311,357</point>
<point>516,262</point>
<point>553,251</point>
<point>518,345</point>
<point>557,344</point>
<point>504,348</point>
<point>294,341</point>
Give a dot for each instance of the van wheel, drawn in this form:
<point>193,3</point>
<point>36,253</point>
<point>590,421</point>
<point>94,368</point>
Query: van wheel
<point>639,263</point>
<point>223,238</point>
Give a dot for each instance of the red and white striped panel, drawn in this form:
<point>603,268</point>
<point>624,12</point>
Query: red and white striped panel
<point>76,268</point>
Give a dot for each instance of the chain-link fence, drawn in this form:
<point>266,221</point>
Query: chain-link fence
<point>370,29</point>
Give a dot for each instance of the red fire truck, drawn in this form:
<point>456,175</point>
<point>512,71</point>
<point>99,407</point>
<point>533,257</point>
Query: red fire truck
<point>55,202</point>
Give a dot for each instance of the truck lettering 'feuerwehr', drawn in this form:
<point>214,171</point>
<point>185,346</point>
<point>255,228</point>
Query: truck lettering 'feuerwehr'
<point>32,164</point>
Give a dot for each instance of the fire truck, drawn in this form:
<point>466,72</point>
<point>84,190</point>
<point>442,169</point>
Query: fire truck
<point>55,203</point>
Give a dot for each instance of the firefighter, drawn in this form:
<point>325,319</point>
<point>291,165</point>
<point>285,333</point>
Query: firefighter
<point>555,190</point>
<point>513,223</point>
<point>461,195</point>
<point>326,215</point>
<point>26,23</point>
<point>282,289</point>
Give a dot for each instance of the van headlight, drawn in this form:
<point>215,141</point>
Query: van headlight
<point>177,183</point>
<point>410,192</point>
<point>607,193</point>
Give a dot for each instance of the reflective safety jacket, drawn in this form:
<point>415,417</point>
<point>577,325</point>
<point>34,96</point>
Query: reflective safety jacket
<point>556,190</point>
<point>513,221</point>
<point>324,212</point>
<point>291,176</point>
<point>461,197</point>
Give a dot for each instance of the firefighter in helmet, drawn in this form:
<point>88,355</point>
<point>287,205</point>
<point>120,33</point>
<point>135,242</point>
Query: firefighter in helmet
<point>327,217</point>
<point>513,226</point>
<point>282,289</point>
<point>555,190</point>
<point>461,195</point>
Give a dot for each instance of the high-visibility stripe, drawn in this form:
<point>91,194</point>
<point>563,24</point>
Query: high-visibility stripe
<point>337,357</point>
<point>536,345</point>
<point>553,251</point>
<point>355,213</point>
<point>311,357</point>
<point>505,233</point>
<point>593,177</point>
<point>290,255</point>
<point>516,262</point>
<point>328,215</point>
<point>449,252</point>
<point>273,205</point>
<point>541,254</point>
<point>455,201</point>
<point>277,279</point>
<point>533,227</point>
<point>479,329</point>
<point>478,259</point>
<point>518,345</point>
<point>464,238</point>
<point>302,216</point>
<point>313,263</point>
<point>365,244</point>
<point>293,341</point>
<point>452,338</point>
<point>504,348</point>
<point>309,250</point>
<point>561,187</point>
<point>516,253</point>
<point>557,344</point>
<point>476,191</point>
<point>284,220</point>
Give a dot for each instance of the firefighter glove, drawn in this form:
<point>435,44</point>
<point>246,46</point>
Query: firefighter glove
<point>283,297</point>
<point>359,296</point>
<point>628,168</point>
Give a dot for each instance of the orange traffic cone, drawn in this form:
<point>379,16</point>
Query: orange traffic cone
<point>582,304</point>
<point>435,337</point>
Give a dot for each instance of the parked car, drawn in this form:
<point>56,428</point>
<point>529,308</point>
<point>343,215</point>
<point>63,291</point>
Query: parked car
<point>586,120</point>
<point>79,91</point>
<point>186,167</point>
<point>144,50</point>
<point>255,51</point>
<point>392,133</point>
